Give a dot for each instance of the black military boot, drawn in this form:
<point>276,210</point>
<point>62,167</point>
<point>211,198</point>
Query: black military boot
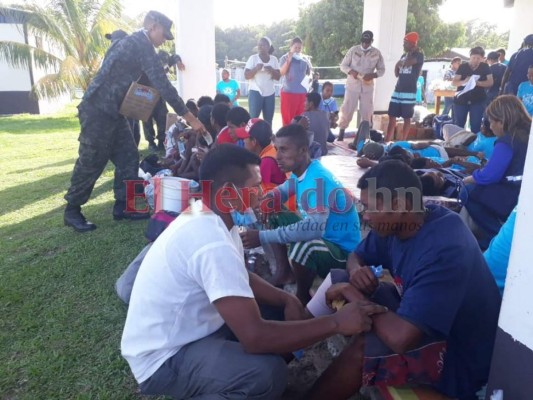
<point>74,218</point>
<point>161,146</point>
<point>340,138</point>
<point>119,212</point>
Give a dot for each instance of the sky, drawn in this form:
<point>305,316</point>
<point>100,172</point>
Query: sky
<point>253,12</point>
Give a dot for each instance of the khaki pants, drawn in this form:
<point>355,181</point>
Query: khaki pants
<point>361,95</point>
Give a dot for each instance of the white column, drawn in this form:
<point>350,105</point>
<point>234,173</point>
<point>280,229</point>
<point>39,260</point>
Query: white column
<point>387,19</point>
<point>521,25</point>
<point>195,43</point>
<point>512,361</point>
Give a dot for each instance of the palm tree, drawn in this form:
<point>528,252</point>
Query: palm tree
<point>73,31</point>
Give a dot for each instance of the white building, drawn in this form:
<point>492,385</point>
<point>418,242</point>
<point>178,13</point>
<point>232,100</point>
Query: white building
<point>16,83</point>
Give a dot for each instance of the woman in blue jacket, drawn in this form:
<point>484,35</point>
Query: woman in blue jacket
<point>492,192</point>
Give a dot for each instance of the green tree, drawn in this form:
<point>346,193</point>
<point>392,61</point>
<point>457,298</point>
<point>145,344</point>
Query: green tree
<point>435,35</point>
<point>72,34</point>
<point>484,34</point>
<point>329,28</point>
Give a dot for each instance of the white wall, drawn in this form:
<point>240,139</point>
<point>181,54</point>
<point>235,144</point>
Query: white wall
<point>521,26</point>
<point>195,43</point>
<point>13,79</point>
<point>516,316</point>
<point>387,20</point>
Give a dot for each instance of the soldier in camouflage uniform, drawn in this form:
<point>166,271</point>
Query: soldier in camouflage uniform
<point>105,134</point>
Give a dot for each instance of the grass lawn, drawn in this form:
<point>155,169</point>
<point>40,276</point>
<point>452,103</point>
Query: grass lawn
<point>61,321</point>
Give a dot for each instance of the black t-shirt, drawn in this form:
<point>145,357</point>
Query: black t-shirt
<point>409,75</point>
<point>478,94</point>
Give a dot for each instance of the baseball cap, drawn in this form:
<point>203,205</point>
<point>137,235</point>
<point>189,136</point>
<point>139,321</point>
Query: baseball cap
<point>367,36</point>
<point>254,128</point>
<point>373,150</point>
<point>162,20</point>
<point>528,40</point>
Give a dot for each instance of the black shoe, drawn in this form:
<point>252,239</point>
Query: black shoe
<point>119,213</point>
<point>161,146</point>
<point>74,218</point>
<point>152,147</point>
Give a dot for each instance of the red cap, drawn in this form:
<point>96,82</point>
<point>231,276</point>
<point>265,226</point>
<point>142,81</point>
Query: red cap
<point>244,132</point>
<point>411,37</point>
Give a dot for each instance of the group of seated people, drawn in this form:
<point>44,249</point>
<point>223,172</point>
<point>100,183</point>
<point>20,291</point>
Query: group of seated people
<point>415,294</point>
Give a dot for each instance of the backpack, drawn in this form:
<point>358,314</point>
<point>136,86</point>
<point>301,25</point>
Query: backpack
<point>438,122</point>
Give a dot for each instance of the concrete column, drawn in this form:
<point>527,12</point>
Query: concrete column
<point>512,361</point>
<point>195,43</point>
<point>387,19</point>
<point>521,25</point>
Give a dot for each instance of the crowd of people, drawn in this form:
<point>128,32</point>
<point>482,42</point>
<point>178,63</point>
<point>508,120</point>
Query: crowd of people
<point>417,294</point>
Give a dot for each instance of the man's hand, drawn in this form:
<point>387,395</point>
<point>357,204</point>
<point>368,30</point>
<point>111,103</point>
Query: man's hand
<point>355,318</point>
<point>368,77</point>
<point>250,239</point>
<point>343,291</point>
<point>180,66</point>
<point>364,280</point>
<point>364,162</point>
<point>294,309</point>
<point>354,74</point>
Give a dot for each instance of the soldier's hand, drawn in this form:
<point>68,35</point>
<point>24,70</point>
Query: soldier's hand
<point>355,318</point>
<point>180,66</point>
<point>197,126</point>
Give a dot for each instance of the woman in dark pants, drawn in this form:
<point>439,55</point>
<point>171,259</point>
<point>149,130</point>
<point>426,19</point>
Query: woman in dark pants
<point>472,103</point>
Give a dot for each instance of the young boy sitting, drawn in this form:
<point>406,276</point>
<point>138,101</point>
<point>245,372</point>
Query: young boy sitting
<point>257,136</point>
<point>329,105</point>
<point>327,227</point>
<point>236,118</point>
<point>442,299</point>
<point>318,120</point>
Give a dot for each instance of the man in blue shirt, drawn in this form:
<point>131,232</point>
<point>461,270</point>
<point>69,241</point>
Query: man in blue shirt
<point>441,290</point>
<point>326,228</point>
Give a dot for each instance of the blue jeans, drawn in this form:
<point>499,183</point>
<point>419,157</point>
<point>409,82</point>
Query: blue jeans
<point>460,113</point>
<point>448,104</point>
<point>258,103</point>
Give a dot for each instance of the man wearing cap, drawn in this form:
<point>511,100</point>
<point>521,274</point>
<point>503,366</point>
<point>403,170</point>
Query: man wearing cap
<point>257,135</point>
<point>403,99</point>
<point>105,133</point>
<point>362,64</point>
<point>516,72</point>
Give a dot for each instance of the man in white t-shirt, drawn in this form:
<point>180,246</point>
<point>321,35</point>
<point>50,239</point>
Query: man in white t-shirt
<point>194,328</point>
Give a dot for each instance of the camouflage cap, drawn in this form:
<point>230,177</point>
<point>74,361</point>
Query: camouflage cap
<point>162,20</point>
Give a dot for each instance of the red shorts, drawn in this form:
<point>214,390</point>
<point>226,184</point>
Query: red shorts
<point>292,104</point>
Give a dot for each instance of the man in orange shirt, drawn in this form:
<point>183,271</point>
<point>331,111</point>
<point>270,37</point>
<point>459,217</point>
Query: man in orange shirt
<point>257,135</point>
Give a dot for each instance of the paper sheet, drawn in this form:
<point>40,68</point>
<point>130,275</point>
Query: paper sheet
<point>471,84</point>
<point>306,82</point>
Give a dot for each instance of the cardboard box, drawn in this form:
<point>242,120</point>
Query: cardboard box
<point>380,122</point>
<point>139,102</point>
<point>398,132</point>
